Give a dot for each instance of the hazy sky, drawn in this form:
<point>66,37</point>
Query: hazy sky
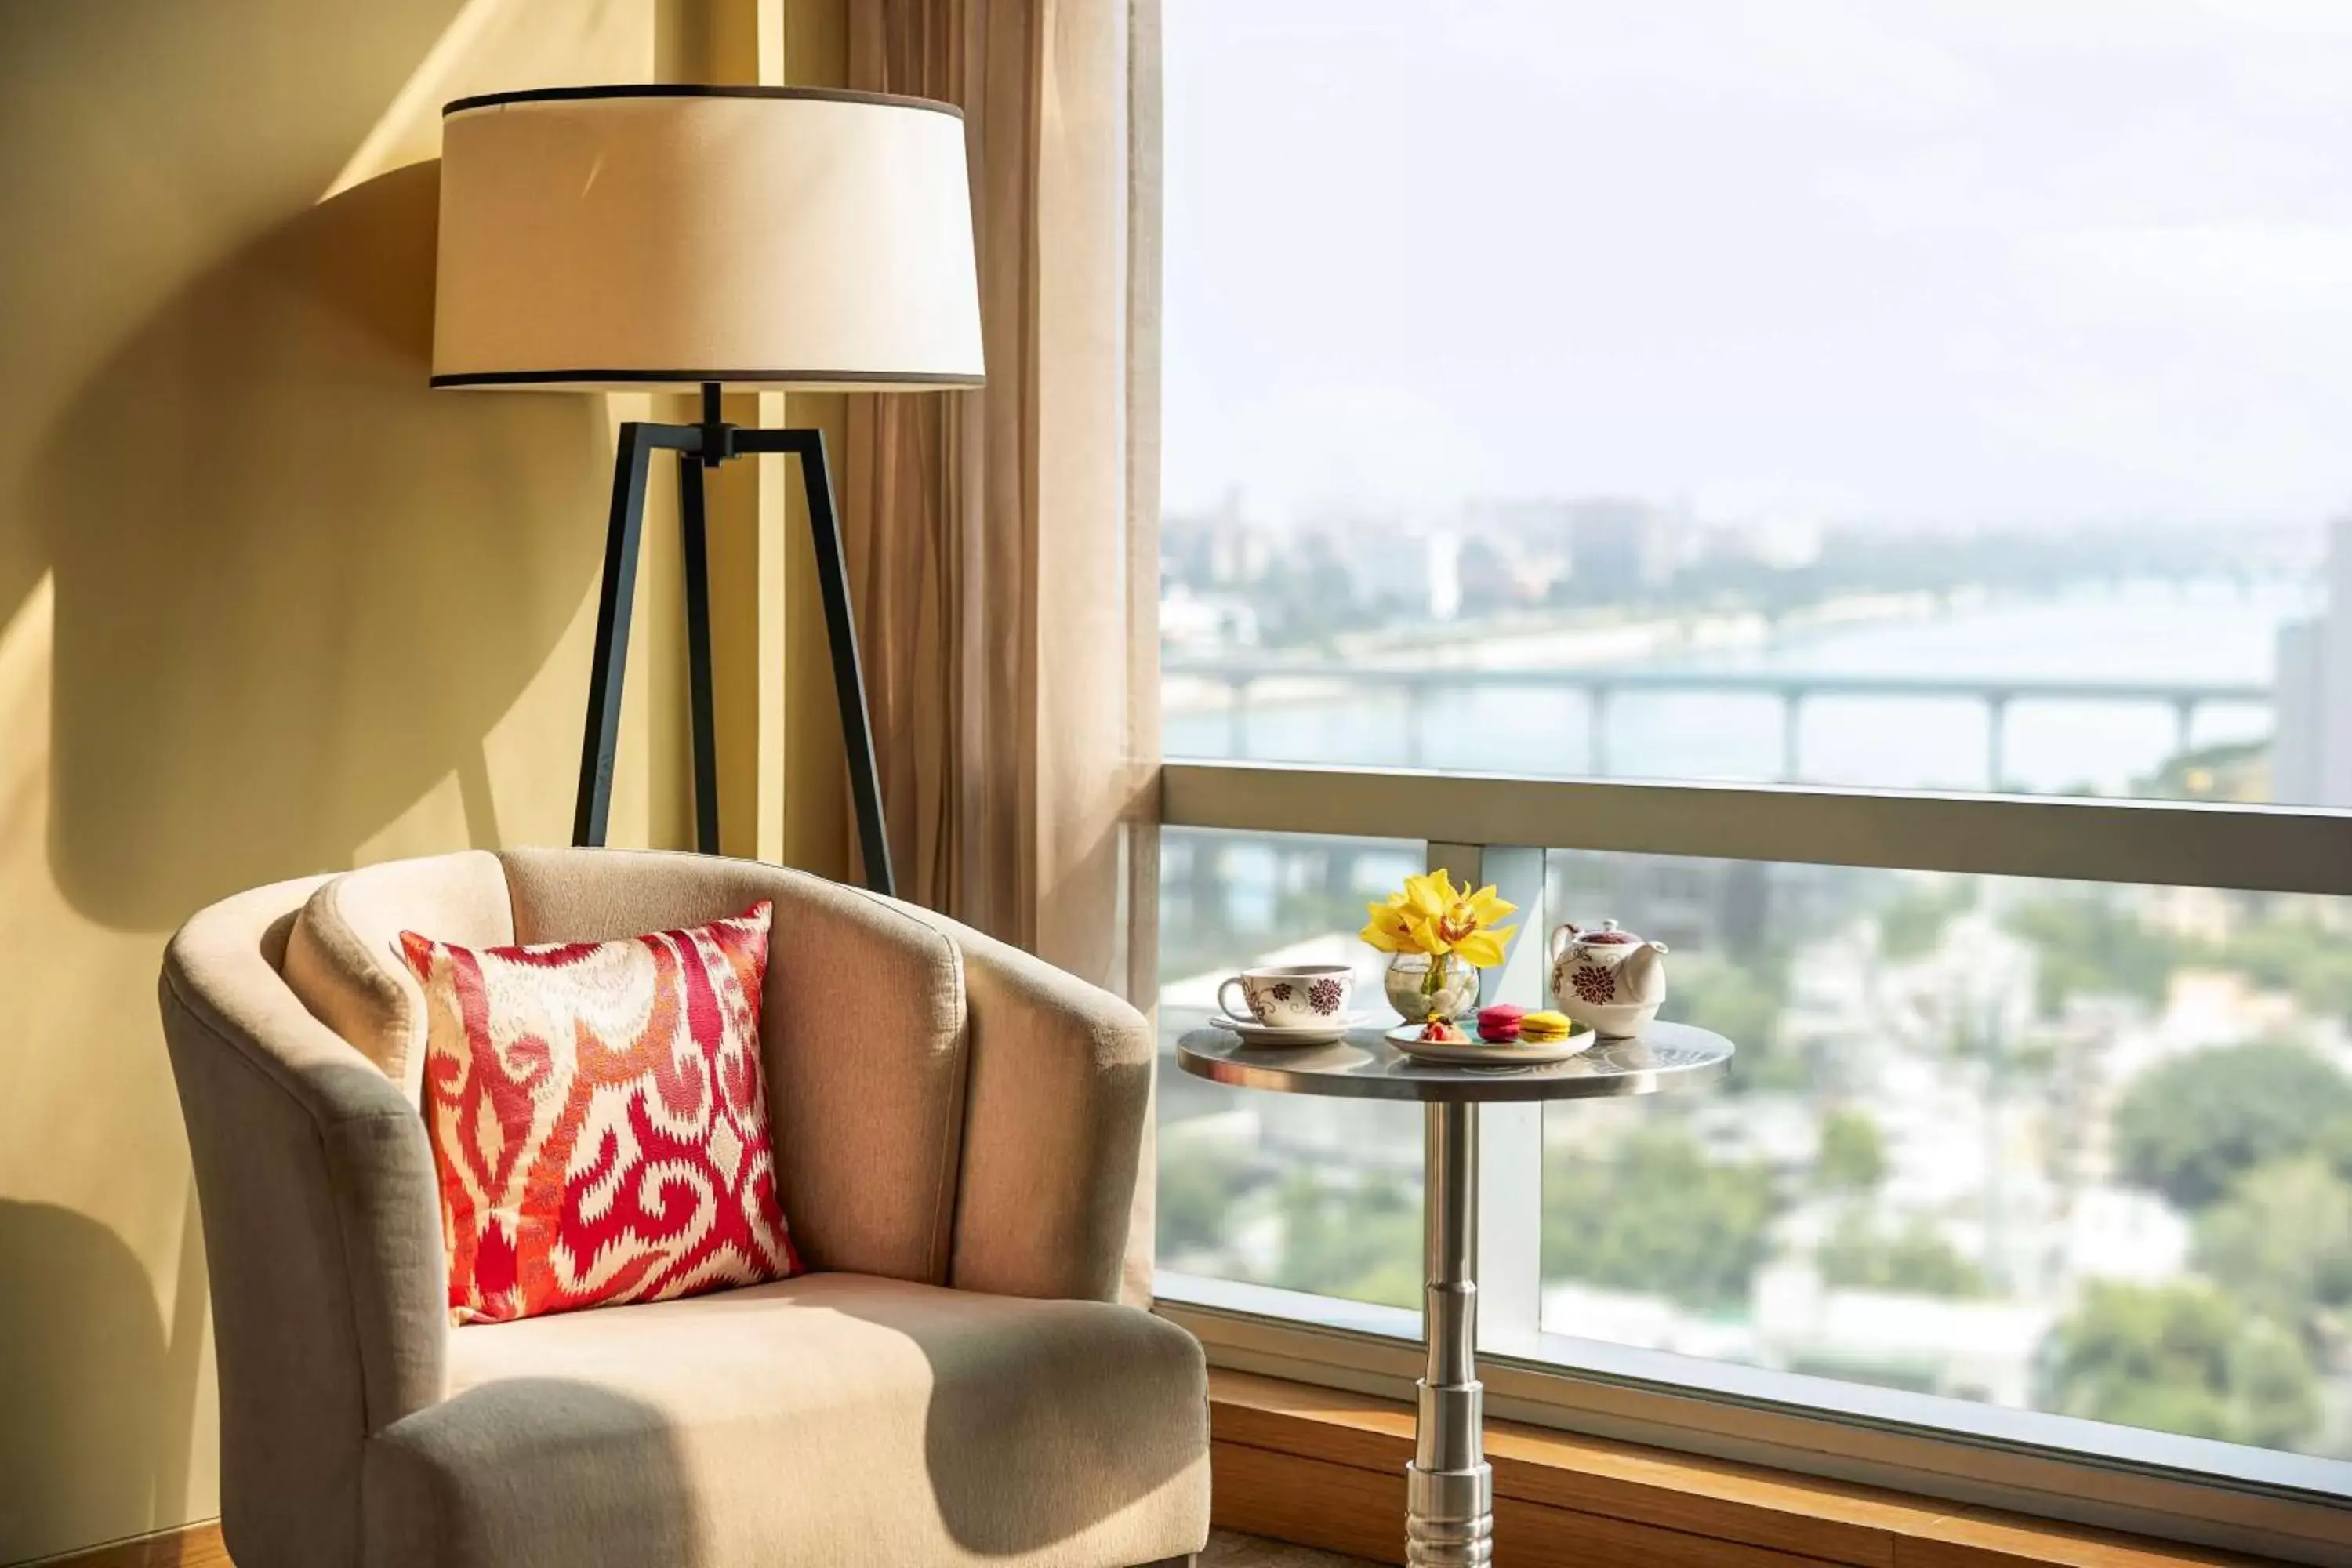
<point>1923,258</point>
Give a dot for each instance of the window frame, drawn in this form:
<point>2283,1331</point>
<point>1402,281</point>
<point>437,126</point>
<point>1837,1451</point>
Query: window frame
<point>1488,825</point>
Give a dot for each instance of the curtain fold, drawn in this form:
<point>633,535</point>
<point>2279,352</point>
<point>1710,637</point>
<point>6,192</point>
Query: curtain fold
<point>1003,544</point>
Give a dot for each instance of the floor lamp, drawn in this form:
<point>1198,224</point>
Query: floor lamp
<point>617,238</point>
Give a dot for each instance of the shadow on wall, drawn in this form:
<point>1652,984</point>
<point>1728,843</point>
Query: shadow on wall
<point>139,139</point>
<point>295,587</point>
<point>83,1366</point>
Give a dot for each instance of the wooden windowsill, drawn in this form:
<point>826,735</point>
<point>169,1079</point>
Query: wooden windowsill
<point>1324,1467</point>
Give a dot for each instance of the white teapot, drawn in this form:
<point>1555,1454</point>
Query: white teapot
<point>1609,979</point>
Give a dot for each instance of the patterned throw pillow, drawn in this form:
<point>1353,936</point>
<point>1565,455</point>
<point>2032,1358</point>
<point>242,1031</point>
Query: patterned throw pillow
<point>598,1119</point>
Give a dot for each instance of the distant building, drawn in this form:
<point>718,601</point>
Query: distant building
<point>1786,542</point>
<point>1487,581</point>
<point>1444,555</point>
<point>1515,552</point>
<point>2311,741</point>
<point>1981,1350</point>
<point>1644,1321</point>
<point>1416,571</point>
<point>1725,906</point>
<point>1621,549</point>
<point>1206,622</point>
<point>2123,1233</point>
<point>1220,548</point>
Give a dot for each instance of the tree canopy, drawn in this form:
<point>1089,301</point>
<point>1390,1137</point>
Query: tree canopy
<point>1361,1242</point>
<point>2281,1240</point>
<point>1659,1217</point>
<point>2088,944</point>
<point>1913,1261</point>
<point>2184,1358</point>
<point>2191,1127</point>
<point>1853,1155</point>
<point>1198,1184</point>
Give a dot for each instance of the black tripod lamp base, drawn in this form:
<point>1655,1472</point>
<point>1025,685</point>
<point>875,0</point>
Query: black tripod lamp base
<point>701,447</point>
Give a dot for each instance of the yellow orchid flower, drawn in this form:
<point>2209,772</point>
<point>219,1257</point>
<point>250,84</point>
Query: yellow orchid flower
<point>1431,895</point>
<point>1465,922</point>
<point>1430,916</point>
<point>1395,926</point>
<point>1484,948</point>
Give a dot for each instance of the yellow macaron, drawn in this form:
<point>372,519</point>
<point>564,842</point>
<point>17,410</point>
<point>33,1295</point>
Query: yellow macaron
<point>1545,1027</point>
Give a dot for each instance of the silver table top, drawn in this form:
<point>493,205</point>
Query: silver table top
<point>1666,1056</point>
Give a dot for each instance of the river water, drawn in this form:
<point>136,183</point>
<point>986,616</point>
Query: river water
<point>2197,632</point>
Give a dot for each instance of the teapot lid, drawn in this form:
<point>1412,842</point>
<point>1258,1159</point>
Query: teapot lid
<point>1607,934</point>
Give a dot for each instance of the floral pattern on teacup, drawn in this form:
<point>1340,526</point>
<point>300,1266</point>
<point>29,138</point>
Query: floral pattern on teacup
<point>1284,1001</point>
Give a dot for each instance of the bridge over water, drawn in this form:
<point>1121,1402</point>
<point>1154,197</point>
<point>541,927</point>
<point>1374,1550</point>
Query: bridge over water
<point>1247,683</point>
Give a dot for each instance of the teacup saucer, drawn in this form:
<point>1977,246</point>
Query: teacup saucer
<point>1252,1033</point>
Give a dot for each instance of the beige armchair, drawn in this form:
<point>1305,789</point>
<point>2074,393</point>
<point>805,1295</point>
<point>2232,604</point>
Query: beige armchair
<point>956,1131</point>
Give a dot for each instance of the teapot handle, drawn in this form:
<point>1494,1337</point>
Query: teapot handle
<point>1561,935</point>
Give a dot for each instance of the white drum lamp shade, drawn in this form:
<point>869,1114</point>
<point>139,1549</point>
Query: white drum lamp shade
<point>606,238</point>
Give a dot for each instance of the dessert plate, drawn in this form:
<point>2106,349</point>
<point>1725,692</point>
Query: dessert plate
<point>1477,1053</point>
<point>1253,1033</point>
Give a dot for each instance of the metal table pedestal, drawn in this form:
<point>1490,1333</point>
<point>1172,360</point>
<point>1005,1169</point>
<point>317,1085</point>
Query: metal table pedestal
<point>1449,1485</point>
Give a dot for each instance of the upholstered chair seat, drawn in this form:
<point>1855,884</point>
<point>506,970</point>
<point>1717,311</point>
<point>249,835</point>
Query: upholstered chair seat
<point>956,1131</point>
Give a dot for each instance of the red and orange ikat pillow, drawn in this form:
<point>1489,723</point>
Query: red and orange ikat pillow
<point>598,1119</point>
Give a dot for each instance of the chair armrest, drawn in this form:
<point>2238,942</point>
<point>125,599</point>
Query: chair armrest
<point>1059,1090</point>
<point>323,1228</point>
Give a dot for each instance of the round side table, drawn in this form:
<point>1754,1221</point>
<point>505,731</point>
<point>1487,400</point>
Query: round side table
<point>1449,1486</point>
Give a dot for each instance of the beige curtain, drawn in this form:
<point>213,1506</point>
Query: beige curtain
<point>1003,544</point>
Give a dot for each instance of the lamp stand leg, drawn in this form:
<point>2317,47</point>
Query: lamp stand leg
<point>694,545</point>
<point>848,677</point>
<point>615,599</point>
<point>623,530</point>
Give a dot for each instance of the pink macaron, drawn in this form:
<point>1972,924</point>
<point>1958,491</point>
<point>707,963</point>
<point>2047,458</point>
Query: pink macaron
<point>1499,1024</point>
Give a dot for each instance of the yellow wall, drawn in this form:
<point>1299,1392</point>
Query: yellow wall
<point>268,605</point>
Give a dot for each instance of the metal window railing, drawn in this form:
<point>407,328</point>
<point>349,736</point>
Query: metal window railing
<point>2291,849</point>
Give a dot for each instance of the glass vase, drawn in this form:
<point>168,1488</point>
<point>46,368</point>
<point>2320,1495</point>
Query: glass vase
<point>1411,992</point>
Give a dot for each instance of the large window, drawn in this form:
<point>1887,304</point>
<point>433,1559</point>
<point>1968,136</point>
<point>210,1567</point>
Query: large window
<point>1929,395</point>
<point>1938,398</point>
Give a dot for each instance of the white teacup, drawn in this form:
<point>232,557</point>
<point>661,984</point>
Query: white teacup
<point>1289,995</point>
